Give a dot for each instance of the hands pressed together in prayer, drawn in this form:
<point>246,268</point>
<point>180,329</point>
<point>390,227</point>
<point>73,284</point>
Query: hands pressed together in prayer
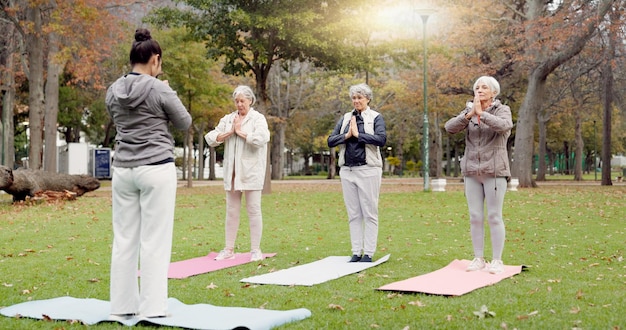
<point>236,129</point>
<point>477,109</point>
<point>354,130</point>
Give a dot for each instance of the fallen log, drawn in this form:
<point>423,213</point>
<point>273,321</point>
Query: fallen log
<point>23,183</point>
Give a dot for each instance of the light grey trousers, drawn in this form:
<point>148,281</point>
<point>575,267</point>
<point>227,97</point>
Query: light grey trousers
<point>489,190</point>
<point>361,189</point>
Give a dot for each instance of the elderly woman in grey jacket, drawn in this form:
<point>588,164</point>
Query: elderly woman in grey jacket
<point>245,135</point>
<point>485,166</point>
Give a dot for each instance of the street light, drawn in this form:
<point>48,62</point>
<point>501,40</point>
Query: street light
<point>424,14</point>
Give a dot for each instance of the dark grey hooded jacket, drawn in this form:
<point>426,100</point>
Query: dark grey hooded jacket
<point>142,107</point>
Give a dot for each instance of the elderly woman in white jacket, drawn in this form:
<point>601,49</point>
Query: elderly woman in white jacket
<point>245,136</point>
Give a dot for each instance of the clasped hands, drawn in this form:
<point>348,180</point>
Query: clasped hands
<point>477,109</point>
<point>236,129</point>
<point>354,129</point>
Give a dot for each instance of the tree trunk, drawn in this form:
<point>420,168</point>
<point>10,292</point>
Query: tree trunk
<point>278,147</point>
<point>261,91</point>
<point>200,130</point>
<point>7,96</point>
<point>190,164</point>
<point>542,66</point>
<point>524,135</point>
<point>566,154</point>
<point>541,160</point>
<point>211,163</point>
<point>436,151</point>
<point>332,166</point>
<point>52,105</point>
<point>35,52</point>
<point>578,145</point>
<point>607,100</point>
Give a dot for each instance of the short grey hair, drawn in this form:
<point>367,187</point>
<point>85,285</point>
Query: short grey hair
<point>362,89</point>
<point>491,82</point>
<point>246,91</point>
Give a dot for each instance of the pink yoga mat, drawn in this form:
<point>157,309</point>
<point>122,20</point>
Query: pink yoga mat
<point>452,280</point>
<point>201,265</point>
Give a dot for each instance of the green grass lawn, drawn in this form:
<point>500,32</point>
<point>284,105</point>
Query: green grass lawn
<point>571,237</point>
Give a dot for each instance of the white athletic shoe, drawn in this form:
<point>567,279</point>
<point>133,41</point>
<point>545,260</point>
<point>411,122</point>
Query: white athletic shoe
<point>256,255</point>
<point>476,264</point>
<point>225,254</point>
<point>496,267</point>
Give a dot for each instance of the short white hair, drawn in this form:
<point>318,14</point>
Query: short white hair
<point>246,91</point>
<point>362,89</point>
<point>493,84</point>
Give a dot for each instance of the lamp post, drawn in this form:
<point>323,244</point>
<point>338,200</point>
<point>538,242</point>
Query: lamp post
<point>424,14</point>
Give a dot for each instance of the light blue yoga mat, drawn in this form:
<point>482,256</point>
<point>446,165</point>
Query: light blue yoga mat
<point>199,316</point>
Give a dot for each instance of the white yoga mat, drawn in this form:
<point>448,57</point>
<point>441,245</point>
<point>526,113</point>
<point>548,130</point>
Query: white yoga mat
<point>199,316</point>
<point>317,272</point>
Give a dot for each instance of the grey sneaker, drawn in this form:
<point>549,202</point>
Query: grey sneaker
<point>476,264</point>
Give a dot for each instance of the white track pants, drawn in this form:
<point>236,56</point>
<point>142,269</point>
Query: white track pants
<point>144,200</point>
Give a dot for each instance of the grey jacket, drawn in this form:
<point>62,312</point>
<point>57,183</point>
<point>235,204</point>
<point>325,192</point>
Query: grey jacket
<point>142,107</point>
<point>485,143</point>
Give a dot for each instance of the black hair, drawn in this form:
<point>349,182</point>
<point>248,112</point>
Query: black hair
<point>144,47</point>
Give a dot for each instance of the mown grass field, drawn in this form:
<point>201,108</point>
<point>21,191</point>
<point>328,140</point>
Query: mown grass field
<point>572,237</point>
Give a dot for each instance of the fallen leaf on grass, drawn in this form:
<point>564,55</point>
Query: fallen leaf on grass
<point>579,294</point>
<point>484,312</point>
<point>525,317</point>
<point>94,280</point>
<point>417,303</point>
<point>575,310</point>
<point>336,307</point>
<point>211,286</point>
<point>8,285</point>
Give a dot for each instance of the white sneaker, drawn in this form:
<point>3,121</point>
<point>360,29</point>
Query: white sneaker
<point>496,267</point>
<point>225,254</point>
<point>476,264</point>
<point>256,255</point>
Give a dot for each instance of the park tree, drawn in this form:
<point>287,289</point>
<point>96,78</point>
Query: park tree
<point>201,88</point>
<point>251,36</point>
<point>576,22</point>
<point>8,64</point>
<point>56,35</point>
